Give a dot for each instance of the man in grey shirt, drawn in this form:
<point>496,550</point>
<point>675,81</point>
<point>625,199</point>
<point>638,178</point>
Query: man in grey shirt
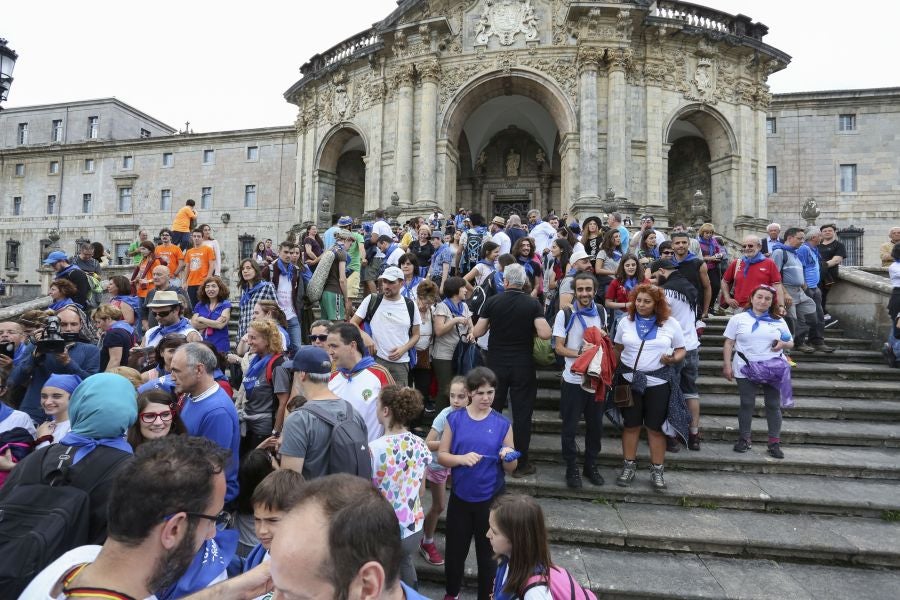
<point>306,439</point>
<point>801,308</point>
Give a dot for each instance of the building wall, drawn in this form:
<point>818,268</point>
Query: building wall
<point>808,149</point>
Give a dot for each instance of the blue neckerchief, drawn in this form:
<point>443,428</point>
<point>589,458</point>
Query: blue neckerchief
<point>629,283</point>
<point>785,247</point>
<point>654,252</point>
<point>162,331</point>
<point>748,262</point>
<point>210,561</point>
<point>131,301</point>
<point>580,314</point>
<point>123,325</point>
<point>764,317</point>
<point>23,349</point>
<point>646,327</point>
<point>572,272</point>
<point>255,558</point>
<point>251,375</point>
<point>65,271</point>
<point>528,264</point>
<point>286,270</point>
<point>87,445</point>
<point>711,247</point>
<point>498,281</point>
<point>456,309</point>
<point>365,363</point>
<point>406,290</point>
<point>5,411</point>
<point>61,303</point>
<point>247,295</point>
<point>617,256</point>
<point>486,263</point>
<point>531,226</point>
<point>389,251</point>
<point>689,256</point>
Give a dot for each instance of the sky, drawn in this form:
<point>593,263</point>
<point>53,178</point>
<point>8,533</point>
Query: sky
<point>224,68</point>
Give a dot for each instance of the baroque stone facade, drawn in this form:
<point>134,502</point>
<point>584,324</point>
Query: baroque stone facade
<point>603,91</point>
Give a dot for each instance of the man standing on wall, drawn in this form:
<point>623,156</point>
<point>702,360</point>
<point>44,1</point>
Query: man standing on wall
<point>183,225</point>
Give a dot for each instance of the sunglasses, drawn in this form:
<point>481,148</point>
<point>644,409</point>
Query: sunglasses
<point>318,338</point>
<point>149,417</point>
<point>667,253</point>
<point>749,246</point>
<point>163,313</point>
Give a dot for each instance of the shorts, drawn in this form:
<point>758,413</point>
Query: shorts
<point>439,476</point>
<point>650,408</point>
<point>688,370</point>
<point>373,269</point>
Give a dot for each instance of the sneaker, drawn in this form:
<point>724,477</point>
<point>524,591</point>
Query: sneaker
<point>694,441</point>
<point>573,479</point>
<point>656,477</point>
<point>742,445</point>
<point>775,450</point>
<point>823,348</point>
<point>524,470</point>
<point>672,445</point>
<point>830,322</point>
<point>806,348</point>
<point>889,357</point>
<point>593,474</point>
<point>431,554</point>
<point>627,475</point>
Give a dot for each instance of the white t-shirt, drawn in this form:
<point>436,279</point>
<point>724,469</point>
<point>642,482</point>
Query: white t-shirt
<point>46,580</point>
<point>396,255</point>
<point>668,337</point>
<point>59,432</point>
<point>894,273</point>
<point>361,391</point>
<point>687,319</point>
<point>285,298</point>
<point>426,330</point>
<point>502,238</point>
<point>576,337</point>
<point>482,271</point>
<point>543,235</point>
<point>755,345</point>
<point>390,324</point>
<point>17,419</point>
<point>382,228</point>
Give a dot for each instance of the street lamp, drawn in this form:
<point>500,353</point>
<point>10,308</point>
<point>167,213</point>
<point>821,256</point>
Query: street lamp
<point>8,58</point>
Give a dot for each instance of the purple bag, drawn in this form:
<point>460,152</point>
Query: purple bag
<point>773,371</point>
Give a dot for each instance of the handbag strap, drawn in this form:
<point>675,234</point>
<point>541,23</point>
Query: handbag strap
<point>638,357</point>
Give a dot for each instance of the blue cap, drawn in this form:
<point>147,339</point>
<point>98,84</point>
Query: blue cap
<point>55,257</point>
<point>345,221</point>
<point>312,359</point>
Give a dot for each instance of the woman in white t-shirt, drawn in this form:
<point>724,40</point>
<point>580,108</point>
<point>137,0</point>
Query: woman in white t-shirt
<point>426,298</point>
<point>490,252</point>
<point>647,341</point>
<point>758,334</point>
<point>55,402</point>
<point>452,319</point>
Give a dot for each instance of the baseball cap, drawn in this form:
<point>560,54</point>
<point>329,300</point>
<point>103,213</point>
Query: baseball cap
<point>345,221</point>
<point>311,359</point>
<point>437,235</point>
<point>55,257</point>
<point>392,274</point>
<point>578,255</point>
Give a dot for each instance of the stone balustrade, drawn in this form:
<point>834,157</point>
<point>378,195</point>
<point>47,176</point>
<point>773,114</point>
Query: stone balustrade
<point>361,43</point>
<point>707,18</point>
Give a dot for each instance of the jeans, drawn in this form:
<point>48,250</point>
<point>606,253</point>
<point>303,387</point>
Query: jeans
<point>802,312</point>
<point>466,520</point>
<point>520,384</point>
<point>573,403</point>
<point>182,239</point>
<point>293,328</point>
<point>772,396</point>
<point>817,323</point>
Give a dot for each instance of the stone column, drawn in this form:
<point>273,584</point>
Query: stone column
<point>403,153</point>
<point>657,148</point>
<point>374,151</point>
<point>588,63</point>
<point>618,144</point>
<point>429,73</point>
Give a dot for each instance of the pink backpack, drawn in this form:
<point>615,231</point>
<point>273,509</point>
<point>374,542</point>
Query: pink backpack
<point>562,586</point>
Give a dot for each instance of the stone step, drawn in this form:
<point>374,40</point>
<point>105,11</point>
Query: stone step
<point>793,431</point>
<point>836,342</point>
<point>719,327</point>
<point>840,355</point>
<point>831,371</point>
<point>762,492</point>
<point>879,411</point>
<point>804,459</point>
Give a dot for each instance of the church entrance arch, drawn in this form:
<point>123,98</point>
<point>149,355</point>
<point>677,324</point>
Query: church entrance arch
<point>341,171</point>
<point>702,158</point>
<point>505,133</point>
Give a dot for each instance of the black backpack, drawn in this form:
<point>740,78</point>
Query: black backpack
<point>471,253</point>
<point>480,295</point>
<point>375,302</point>
<point>44,515</point>
<point>348,450</point>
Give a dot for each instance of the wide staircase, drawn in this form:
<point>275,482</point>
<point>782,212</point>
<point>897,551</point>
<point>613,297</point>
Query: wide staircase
<point>821,523</point>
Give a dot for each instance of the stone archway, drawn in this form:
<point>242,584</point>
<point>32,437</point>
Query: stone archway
<point>340,174</point>
<point>521,109</point>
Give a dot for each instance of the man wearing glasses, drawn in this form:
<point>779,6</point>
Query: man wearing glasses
<point>166,308</point>
<point>749,272</point>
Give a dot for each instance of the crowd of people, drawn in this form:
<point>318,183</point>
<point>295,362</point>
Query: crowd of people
<point>209,444</point>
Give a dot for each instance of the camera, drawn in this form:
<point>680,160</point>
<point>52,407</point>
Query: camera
<point>8,349</point>
<point>53,341</point>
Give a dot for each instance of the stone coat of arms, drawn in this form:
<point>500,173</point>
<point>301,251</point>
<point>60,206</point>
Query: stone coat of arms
<point>506,18</point>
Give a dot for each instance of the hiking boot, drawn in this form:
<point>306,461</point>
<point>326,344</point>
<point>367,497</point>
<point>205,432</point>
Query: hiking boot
<point>593,474</point>
<point>775,450</point>
<point>656,477</point>
<point>573,479</point>
<point>821,347</point>
<point>431,554</point>
<point>629,467</point>
<point>524,470</point>
<point>694,441</point>
<point>889,357</point>
<point>672,445</point>
<point>742,445</point>
<point>805,348</point>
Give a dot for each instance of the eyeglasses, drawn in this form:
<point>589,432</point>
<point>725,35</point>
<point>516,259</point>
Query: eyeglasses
<point>150,417</point>
<point>222,520</point>
<point>163,313</point>
<point>318,338</point>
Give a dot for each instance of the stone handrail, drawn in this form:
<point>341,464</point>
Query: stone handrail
<point>703,17</point>
<point>859,300</point>
<point>14,311</point>
<point>358,45</point>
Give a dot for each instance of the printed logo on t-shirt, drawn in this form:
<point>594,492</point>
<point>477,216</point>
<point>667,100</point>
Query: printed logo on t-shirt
<point>195,263</point>
<point>367,393</point>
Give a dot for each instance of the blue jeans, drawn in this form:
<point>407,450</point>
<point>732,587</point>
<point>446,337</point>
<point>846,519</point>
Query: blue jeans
<point>293,328</point>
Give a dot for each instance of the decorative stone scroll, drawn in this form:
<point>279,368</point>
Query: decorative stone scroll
<point>505,19</point>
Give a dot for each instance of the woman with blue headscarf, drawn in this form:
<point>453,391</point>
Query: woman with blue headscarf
<point>55,397</point>
<point>101,409</point>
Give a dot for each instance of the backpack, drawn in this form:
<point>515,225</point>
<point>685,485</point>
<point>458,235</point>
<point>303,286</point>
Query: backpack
<point>20,444</point>
<point>348,448</point>
<point>316,285</point>
<point>375,302</point>
<point>45,516</point>
<point>97,290</point>
<point>480,295</point>
<point>471,253</point>
<point>561,584</point>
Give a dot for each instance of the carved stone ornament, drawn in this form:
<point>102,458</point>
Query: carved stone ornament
<point>430,71</point>
<point>341,100</point>
<point>505,19</point>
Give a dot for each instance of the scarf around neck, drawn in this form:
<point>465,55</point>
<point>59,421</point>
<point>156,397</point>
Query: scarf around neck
<point>60,304</point>
<point>363,364</point>
<point>456,309</point>
<point>65,271</point>
<point>407,289</point>
<point>251,376</point>
<point>757,319</point>
<point>749,262</point>
<point>285,270</point>
<point>580,314</point>
<point>247,295</point>
<point>630,283</point>
<point>646,327</point>
<point>162,331</point>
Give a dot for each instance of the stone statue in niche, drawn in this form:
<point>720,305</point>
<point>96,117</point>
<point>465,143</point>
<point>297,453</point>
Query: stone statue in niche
<point>512,163</point>
<point>481,162</point>
<point>505,19</point>
<point>541,159</point>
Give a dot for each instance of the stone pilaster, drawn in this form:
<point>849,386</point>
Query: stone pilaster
<point>618,142</point>
<point>374,152</point>
<point>588,181</point>
<point>429,73</point>
<point>403,153</point>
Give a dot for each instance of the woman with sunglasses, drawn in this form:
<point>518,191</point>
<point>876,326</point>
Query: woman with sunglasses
<point>157,418</point>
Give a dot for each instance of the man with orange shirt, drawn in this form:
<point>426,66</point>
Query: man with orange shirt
<point>199,261</point>
<point>184,222</point>
<point>170,254</point>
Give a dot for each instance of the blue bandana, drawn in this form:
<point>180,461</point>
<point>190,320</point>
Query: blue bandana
<point>748,262</point>
<point>251,376</point>
<point>247,295</point>
<point>580,314</point>
<point>630,283</point>
<point>123,325</point>
<point>365,363</point>
<point>286,270</point>
<point>59,304</point>
<point>456,309</point>
<point>756,319</point>
<point>407,289</point>
<point>161,330</point>
<point>646,327</point>
<point>131,301</point>
<point>65,271</point>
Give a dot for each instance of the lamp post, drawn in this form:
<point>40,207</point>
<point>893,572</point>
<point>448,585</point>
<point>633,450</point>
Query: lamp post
<point>8,58</point>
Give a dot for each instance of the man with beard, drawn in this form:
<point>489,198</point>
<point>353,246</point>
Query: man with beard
<point>164,505</point>
<point>692,268</point>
